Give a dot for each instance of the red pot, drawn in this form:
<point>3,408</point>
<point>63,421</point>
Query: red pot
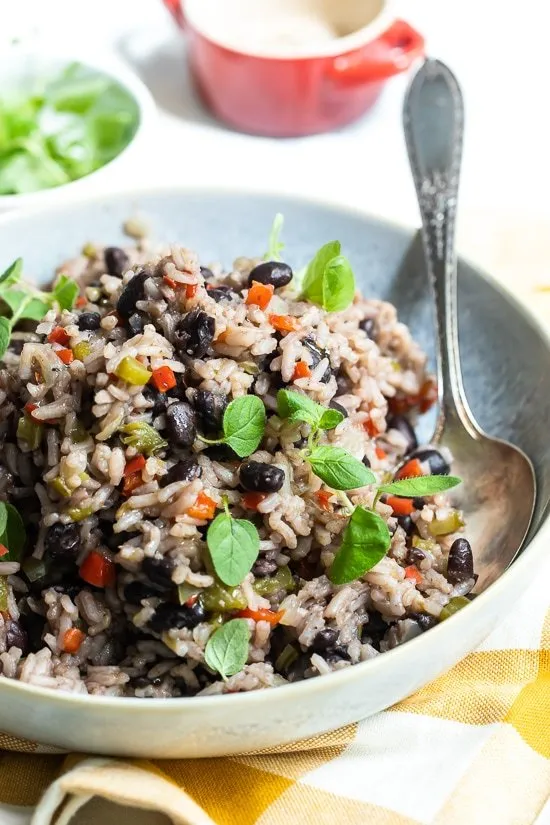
<point>303,91</point>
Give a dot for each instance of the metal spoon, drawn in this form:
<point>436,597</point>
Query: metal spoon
<point>499,487</point>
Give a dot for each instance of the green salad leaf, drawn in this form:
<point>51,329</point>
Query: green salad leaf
<point>62,129</point>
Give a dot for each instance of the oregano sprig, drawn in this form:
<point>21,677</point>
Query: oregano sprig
<point>227,648</point>
<point>12,532</point>
<point>25,302</point>
<point>276,246</point>
<point>366,539</point>
<point>234,545</point>
<point>329,281</point>
<point>243,425</point>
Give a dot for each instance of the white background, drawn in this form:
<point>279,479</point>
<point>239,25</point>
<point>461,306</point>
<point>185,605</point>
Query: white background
<point>498,49</point>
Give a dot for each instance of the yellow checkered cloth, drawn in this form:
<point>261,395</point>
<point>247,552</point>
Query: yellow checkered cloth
<point>472,747</point>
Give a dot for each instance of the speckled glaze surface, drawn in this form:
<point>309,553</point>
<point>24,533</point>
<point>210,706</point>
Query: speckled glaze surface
<point>506,360</point>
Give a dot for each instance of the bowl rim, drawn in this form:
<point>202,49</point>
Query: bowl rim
<point>121,73</point>
<point>533,552</point>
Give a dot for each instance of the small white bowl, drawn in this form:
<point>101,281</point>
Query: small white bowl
<point>17,67</point>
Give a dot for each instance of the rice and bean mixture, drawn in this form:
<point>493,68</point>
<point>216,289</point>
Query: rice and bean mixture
<point>108,411</point>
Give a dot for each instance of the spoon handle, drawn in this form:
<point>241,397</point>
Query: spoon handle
<point>433,120</point>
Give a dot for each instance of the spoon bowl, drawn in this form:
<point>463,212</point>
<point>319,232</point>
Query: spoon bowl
<point>499,491</point>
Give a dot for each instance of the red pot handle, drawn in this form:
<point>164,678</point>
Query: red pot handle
<point>391,53</point>
<point>176,10</point>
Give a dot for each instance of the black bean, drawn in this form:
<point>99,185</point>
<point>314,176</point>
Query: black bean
<point>437,464</point>
<point>264,568</point>
<point>210,407</point>
<point>206,273</point>
<point>116,261</point>
<point>460,564</point>
<point>261,478</point>
<point>403,425</point>
<point>334,405</point>
<point>325,639</point>
<point>16,636</point>
<point>62,541</point>
<point>406,523</point>
<point>185,470</point>
<point>374,629</point>
<point>133,292</point>
<point>424,621</point>
<point>136,323</point>
<point>222,293</point>
<point>135,592</point>
<point>415,555</point>
<point>271,272</point>
<point>168,616</point>
<point>180,390</point>
<point>89,320</point>
<point>114,540</point>
<point>276,381</point>
<point>34,626</point>
<point>297,670</point>
<point>194,333</point>
<point>181,424</point>
<point>159,571</point>
<point>343,383</point>
<point>221,452</point>
<point>71,590</point>
<point>337,654</point>
<point>369,327</point>
<point>366,461</point>
<point>317,355</point>
<point>159,399</point>
<point>418,503</point>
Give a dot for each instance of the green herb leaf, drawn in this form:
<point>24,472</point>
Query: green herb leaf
<point>5,335</point>
<point>365,542</point>
<point>421,486</point>
<point>34,309</point>
<point>13,535</point>
<point>227,649</point>
<point>329,280</point>
<point>244,424</point>
<point>65,292</point>
<point>12,274</point>
<point>339,469</point>
<point>289,402</point>
<point>330,419</point>
<point>13,298</point>
<point>3,517</point>
<point>275,245</point>
<point>234,545</point>
<point>296,407</point>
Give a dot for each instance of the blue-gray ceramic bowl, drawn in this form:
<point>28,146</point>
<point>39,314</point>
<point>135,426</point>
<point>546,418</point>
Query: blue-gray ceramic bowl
<point>507,379</point>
